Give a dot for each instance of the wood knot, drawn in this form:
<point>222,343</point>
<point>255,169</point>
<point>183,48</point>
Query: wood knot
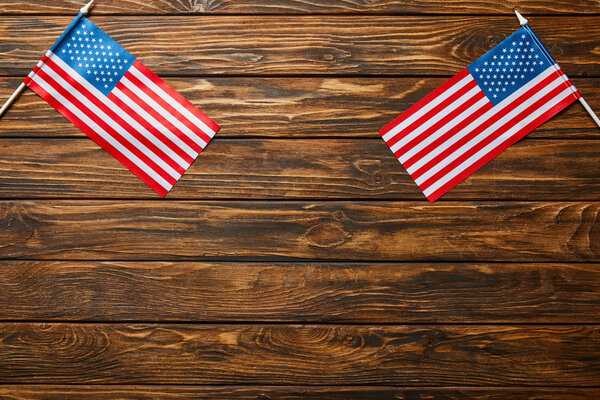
<point>369,167</point>
<point>327,234</point>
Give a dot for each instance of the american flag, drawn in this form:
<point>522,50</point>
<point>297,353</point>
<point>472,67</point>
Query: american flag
<point>122,105</point>
<point>479,113</point>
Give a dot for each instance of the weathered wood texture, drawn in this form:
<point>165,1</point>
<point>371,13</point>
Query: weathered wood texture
<point>152,392</point>
<point>299,6</point>
<point>317,292</point>
<point>306,355</point>
<point>386,231</point>
<point>213,45</point>
<point>296,169</point>
<point>292,107</point>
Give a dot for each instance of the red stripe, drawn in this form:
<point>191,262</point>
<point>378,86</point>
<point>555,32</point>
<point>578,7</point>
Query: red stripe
<point>151,128</point>
<point>104,125</point>
<point>168,108</point>
<point>423,102</point>
<point>498,132</point>
<point>436,143</point>
<point>115,117</point>
<point>496,151</point>
<point>35,69</point>
<point>176,96</point>
<point>433,112</point>
<point>440,124</point>
<point>484,125</point>
<point>98,139</point>
<point>146,107</point>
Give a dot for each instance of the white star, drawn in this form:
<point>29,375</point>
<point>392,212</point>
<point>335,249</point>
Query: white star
<point>504,89</point>
<point>106,86</point>
<point>80,64</point>
<point>512,83</point>
<point>68,44</point>
<point>89,72</point>
<point>504,50</point>
<point>64,51</point>
<point>541,62</point>
<point>531,70</point>
<point>495,96</point>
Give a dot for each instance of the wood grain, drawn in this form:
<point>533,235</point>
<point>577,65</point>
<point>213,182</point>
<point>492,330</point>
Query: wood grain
<point>300,355</point>
<point>385,231</point>
<point>342,45</point>
<point>298,6</point>
<point>293,107</point>
<point>297,292</point>
<point>296,169</point>
<point>153,392</point>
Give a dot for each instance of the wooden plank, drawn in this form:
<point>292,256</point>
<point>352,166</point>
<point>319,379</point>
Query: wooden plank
<point>152,392</point>
<point>68,7</point>
<point>279,169</point>
<point>300,355</point>
<point>212,45</point>
<point>292,107</point>
<point>386,231</point>
<point>333,292</point>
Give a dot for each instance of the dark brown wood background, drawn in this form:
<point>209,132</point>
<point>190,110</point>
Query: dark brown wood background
<point>296,259</point>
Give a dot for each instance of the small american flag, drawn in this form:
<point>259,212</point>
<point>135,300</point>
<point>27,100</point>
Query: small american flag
<point>122,105</point>
<point>479,113</point>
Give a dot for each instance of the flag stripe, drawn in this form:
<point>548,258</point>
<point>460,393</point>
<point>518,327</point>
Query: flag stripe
<point>387,132</point>
<point>165,145</point>
<point>501,118</point>
<point>157,108</point>
<point>139,106</point>
<point>467,106</point>
<point>83,122</point>
<point>166,95</point>
<point>170,110</point>
<point>435,115</point>
<point>427,107</point>
<point>482,141</point>
<point>212,127</point>
<point>431,142</point>
<point>500,144</point>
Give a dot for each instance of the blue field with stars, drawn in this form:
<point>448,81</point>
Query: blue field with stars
<point>509,66</point>
<point>95,56</point>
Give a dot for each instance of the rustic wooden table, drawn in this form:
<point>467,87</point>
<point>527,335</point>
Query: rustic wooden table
<point>297,259</point>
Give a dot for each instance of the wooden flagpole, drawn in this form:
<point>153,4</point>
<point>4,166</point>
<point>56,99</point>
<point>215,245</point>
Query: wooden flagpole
<point>84,11</point>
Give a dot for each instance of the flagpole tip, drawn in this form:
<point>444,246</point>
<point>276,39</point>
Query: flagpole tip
<point>85,9</point>
<point>522,20</point>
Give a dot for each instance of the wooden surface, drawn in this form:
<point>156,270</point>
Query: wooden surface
<point>297,259</point>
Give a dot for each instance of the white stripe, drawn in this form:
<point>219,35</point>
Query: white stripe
<point>497,142</point>
<point>171,101</point>
<point>108,120</point>
<point>439,132</point>
<point>92,125</point>
<point>159,109</point>
<point>488,131</point>
<point>426,108</point>
<point>436,118</point>
<point>127,118</point>
<point>157,125</point>
<point>479,121</point>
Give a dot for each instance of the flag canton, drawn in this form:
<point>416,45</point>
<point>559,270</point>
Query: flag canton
<point>95,56</point>
<point>509,66</point>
